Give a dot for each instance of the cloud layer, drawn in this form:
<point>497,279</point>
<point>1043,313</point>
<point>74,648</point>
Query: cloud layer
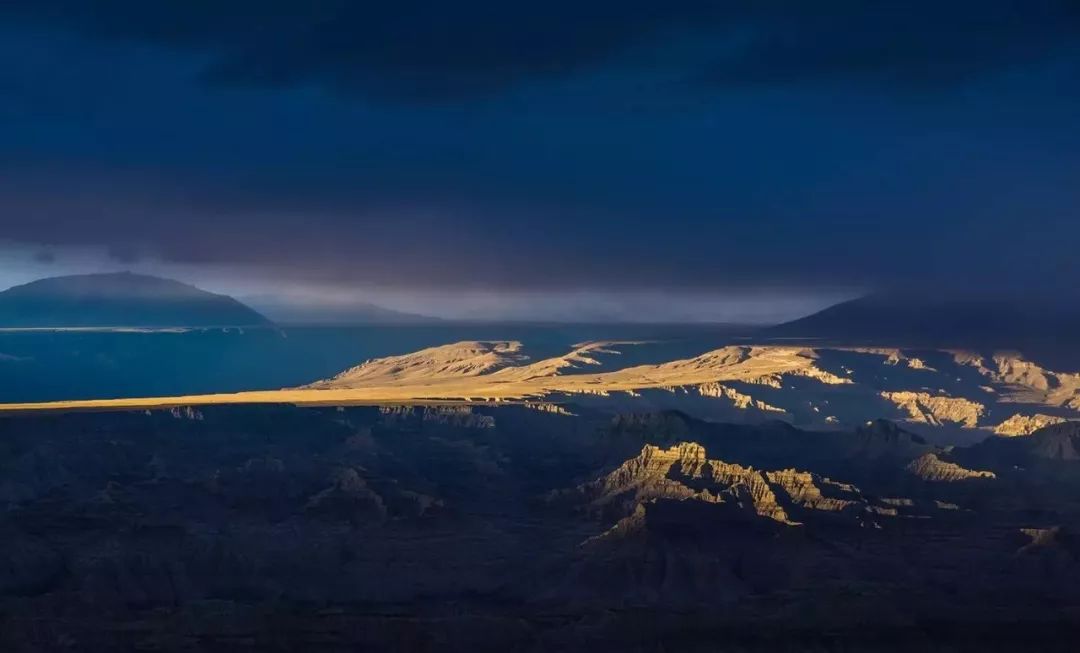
<point>557,145</point>
<point>420,49</point>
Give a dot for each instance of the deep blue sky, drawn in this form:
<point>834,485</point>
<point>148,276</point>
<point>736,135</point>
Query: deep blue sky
<point>700,149</point>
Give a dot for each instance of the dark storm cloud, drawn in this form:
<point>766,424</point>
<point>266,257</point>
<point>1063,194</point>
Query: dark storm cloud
<point>902,45</point>
<point>420,49</point>
<point>558,145</point>
<point>403,48</point>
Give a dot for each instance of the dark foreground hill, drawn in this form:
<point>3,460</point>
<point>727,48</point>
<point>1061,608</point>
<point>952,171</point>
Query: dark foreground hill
<point>119,300</point>
<point>483,528</point>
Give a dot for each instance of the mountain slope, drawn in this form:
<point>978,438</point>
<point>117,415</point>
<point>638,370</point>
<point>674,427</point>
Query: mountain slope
<point>119,300</point>
<point>932,320</point>
<point>1057,442</point>
<point>461,360</point>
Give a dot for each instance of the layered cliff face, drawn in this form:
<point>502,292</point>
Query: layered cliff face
<point>1026,382</point>
<point>683,472</point>
<point>937,410</point>
<point>678,526</point>
<point>738,399</point>
<point>808,491</point>
<point>1018,424</point>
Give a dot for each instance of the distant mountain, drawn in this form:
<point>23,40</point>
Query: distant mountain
<point>292,310</point>
<point>120,299</point>
<point>910,319</point>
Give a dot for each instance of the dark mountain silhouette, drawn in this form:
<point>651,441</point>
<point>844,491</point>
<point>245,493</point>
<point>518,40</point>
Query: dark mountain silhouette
<point>930,319</point>
<point>119,299</point>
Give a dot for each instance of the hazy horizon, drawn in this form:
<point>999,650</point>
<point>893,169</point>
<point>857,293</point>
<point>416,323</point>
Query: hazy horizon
<point>760,306</point>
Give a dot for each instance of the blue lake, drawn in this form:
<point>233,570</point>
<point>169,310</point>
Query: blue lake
<point>51,365</point>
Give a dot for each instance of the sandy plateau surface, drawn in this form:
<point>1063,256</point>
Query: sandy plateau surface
<point>956,391</point>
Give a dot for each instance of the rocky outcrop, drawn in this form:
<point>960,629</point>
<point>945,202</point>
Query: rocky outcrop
<point>453,415</point>
<point>1055,538</point>
<point>458,360</point>
<point>805,490</point>
<point>683,472</point>
<point>549,407</point>
<point>1019,424</point>
<point>1024,381</point>
<point>1014,370</point>
<point>936,410</point>
<point>930,467</point>
<point>582,357</point>
<point>738,399</point>
<point>881,438</point>
<point>666,426</point>
<point>348,498</point>
<point>828,378</point>
<point>893,357</point>
<point>186,412</point>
